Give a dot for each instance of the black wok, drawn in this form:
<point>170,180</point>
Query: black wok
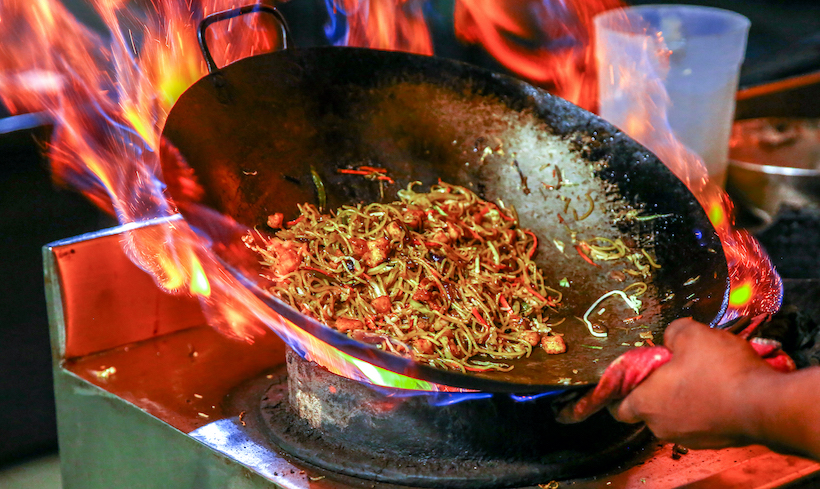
<point>252,131</point>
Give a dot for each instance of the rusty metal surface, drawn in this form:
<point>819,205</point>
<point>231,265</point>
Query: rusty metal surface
<point>119,332</point>
<point>752,467</point>
<point>252,132</point>
<point>181,377</point>
<point>125,404</point>
<point>95,297</point>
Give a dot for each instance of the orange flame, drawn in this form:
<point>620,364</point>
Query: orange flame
<point>548,43</point>
<point>755,287</point>
<point>109,107</point>
<point>396,25</point>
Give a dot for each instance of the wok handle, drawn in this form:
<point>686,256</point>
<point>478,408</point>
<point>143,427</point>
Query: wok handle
<point>230,14</point>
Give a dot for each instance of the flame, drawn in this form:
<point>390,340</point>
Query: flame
<point>548,43</point>
<point>341,363</point>
<point>638,82</point>
<point>396,25</point>
<point>109,106</point>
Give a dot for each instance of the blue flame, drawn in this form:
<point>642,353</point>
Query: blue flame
<point>440,398</point>
<point>450,398</point>
<point>533,397</point>
<point>336,28</point>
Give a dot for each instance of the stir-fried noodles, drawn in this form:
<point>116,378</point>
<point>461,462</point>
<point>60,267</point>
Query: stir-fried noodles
<point>443,276</point>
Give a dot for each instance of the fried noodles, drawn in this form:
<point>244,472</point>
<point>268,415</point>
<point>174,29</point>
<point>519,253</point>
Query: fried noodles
<point>442,276</point>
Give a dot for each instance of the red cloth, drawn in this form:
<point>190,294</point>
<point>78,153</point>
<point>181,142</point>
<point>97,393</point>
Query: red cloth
<point>631,368</point>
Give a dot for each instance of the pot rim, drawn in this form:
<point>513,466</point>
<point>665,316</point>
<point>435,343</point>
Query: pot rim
<point>787,171</point>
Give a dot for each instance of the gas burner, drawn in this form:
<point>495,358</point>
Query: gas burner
<point>387,435</point>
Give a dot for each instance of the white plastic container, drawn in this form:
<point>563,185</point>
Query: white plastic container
<point>694,52</point>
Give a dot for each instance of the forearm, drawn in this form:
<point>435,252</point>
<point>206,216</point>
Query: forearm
<point>783,411</point>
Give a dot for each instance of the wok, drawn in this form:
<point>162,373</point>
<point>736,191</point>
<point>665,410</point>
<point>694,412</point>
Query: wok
<point>252,131</point>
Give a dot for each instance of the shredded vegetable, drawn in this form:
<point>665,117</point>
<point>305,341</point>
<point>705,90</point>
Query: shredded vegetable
<point>632,301</point>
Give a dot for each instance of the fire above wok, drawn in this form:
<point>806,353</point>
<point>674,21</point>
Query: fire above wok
<point>260,134</point>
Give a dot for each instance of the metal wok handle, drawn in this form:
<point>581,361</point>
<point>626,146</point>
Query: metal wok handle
<point>230,14</point>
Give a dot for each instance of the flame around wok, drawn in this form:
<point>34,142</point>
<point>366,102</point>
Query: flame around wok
<point>109,105</point>
<point>109,101</point>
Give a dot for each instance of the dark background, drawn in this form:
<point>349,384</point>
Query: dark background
<point>783,41</point>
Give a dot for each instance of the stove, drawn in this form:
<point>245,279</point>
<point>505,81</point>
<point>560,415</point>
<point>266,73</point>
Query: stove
<point>148,395</point>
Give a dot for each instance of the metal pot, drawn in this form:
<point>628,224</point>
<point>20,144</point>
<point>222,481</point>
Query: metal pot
<point>775,161</point>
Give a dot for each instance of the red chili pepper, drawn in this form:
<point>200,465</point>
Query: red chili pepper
<point>549,302</point>
<point>534,245</point>
<point>505,216</point>
<point>536,294</point>
<point>490,206</point>
<point>483,212</point>
<point>557,174</point>
<point>475,234</point>
<point>353,172</point>
<point>296,221</point>
<point>479,318</point>
<point>504,303</point>
<point>373,169</point>
<point>314,270</point>
<point>585,257</point>
<point>386,179</point>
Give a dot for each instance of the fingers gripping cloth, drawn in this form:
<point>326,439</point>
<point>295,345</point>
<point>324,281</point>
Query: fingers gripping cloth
<point>630,369</point>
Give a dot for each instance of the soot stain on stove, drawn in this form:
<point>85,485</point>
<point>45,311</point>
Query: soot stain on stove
<point>355,430</point>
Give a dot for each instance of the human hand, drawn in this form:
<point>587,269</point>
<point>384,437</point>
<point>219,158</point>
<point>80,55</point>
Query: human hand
<point>704,397</point>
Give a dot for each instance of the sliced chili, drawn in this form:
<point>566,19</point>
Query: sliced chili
<point>534,245</point>
<point>479,318</point>
<point>585,257</point>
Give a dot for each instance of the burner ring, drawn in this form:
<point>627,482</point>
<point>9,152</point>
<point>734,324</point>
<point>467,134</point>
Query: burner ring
<point>409,442</point>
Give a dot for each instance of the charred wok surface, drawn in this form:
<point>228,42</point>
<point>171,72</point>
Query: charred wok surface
<point>253,132</point>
